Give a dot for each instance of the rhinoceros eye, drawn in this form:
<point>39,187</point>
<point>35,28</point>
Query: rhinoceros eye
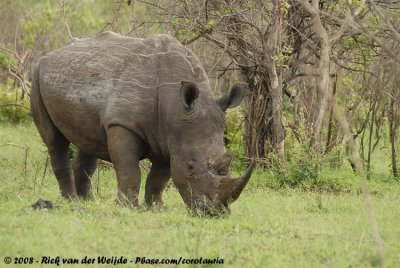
<point>190,166</point>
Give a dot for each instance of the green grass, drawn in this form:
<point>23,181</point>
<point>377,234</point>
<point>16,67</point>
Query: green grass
<point>267,227</point>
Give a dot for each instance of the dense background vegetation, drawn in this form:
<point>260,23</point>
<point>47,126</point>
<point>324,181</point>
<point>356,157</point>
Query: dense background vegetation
<point>307,67</point>
<point>322,77</point>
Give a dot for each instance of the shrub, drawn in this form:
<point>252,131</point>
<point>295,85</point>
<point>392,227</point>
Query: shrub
<point>234,136</point>
<point>12,109</point>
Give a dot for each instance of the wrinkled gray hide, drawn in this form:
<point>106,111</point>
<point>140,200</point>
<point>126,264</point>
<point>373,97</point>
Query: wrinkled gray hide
<point>124,99</point>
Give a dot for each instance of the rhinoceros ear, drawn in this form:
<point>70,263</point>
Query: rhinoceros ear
<point>231,99</point>
<point>189,93</point>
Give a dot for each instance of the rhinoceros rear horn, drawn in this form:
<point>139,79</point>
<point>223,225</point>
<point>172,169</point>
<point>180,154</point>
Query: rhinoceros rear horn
<point>219,164</point>
<point>230,189</point>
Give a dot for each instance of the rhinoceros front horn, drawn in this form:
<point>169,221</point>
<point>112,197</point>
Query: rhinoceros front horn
<point>230,189</point>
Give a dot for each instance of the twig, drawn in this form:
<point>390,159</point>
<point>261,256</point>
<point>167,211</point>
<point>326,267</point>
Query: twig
<point>34,180</point>
<point>18,72</point>
<point>15,104</point>
<point>44,173</point>
<point>62,4</point>
<point>236,131</point>
<point>26,163</point>
<point>21,78</point>
<point>115,17</point>
<point>359,29</point>
<point>384,18</point>
<point>98,183</point>
<point>224,70</point>
<point>156,6</point>
<point>26,148</point>
<point>364,184</point>
<point>12,52</point>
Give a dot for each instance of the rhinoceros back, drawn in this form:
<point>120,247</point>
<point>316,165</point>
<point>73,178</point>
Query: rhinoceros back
<point>113,79</point>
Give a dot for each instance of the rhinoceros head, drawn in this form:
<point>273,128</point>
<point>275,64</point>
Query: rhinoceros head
<point>199,163</point>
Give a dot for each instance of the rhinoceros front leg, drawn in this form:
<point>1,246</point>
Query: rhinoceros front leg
<point>124,149</point>
<point>83,166</point>
<point>155,185</point>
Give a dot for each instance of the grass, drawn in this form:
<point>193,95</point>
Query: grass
<point>267,227</point>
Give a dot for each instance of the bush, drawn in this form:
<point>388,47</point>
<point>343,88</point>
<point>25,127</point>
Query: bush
<point>12,109</point>
<point>299,168</point>
<point>234,136</point>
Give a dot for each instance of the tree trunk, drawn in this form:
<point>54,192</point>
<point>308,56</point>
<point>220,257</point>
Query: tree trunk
<point>264,132</point>
<point>323,74</point>
<point>373,119</point>
<point>278,137</point>
<point>393,125</point>
<point>330,140</point>
<point>257,134</point>
<point>322,82</point>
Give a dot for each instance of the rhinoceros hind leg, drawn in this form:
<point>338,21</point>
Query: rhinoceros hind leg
<point>55,141</point>
<point>58,151</point>
<point>83,167</point>
<point>124,148</point>
<point>155,185</point>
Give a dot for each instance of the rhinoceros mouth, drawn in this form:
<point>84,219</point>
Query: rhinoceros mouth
<point>207,207</point>
<point>223,190</point>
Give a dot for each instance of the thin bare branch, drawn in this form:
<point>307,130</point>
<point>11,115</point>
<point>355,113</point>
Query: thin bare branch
<point>16,105</point>
<point>65,13</point>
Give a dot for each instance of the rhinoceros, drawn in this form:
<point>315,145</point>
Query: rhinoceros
<point>124,99</point>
